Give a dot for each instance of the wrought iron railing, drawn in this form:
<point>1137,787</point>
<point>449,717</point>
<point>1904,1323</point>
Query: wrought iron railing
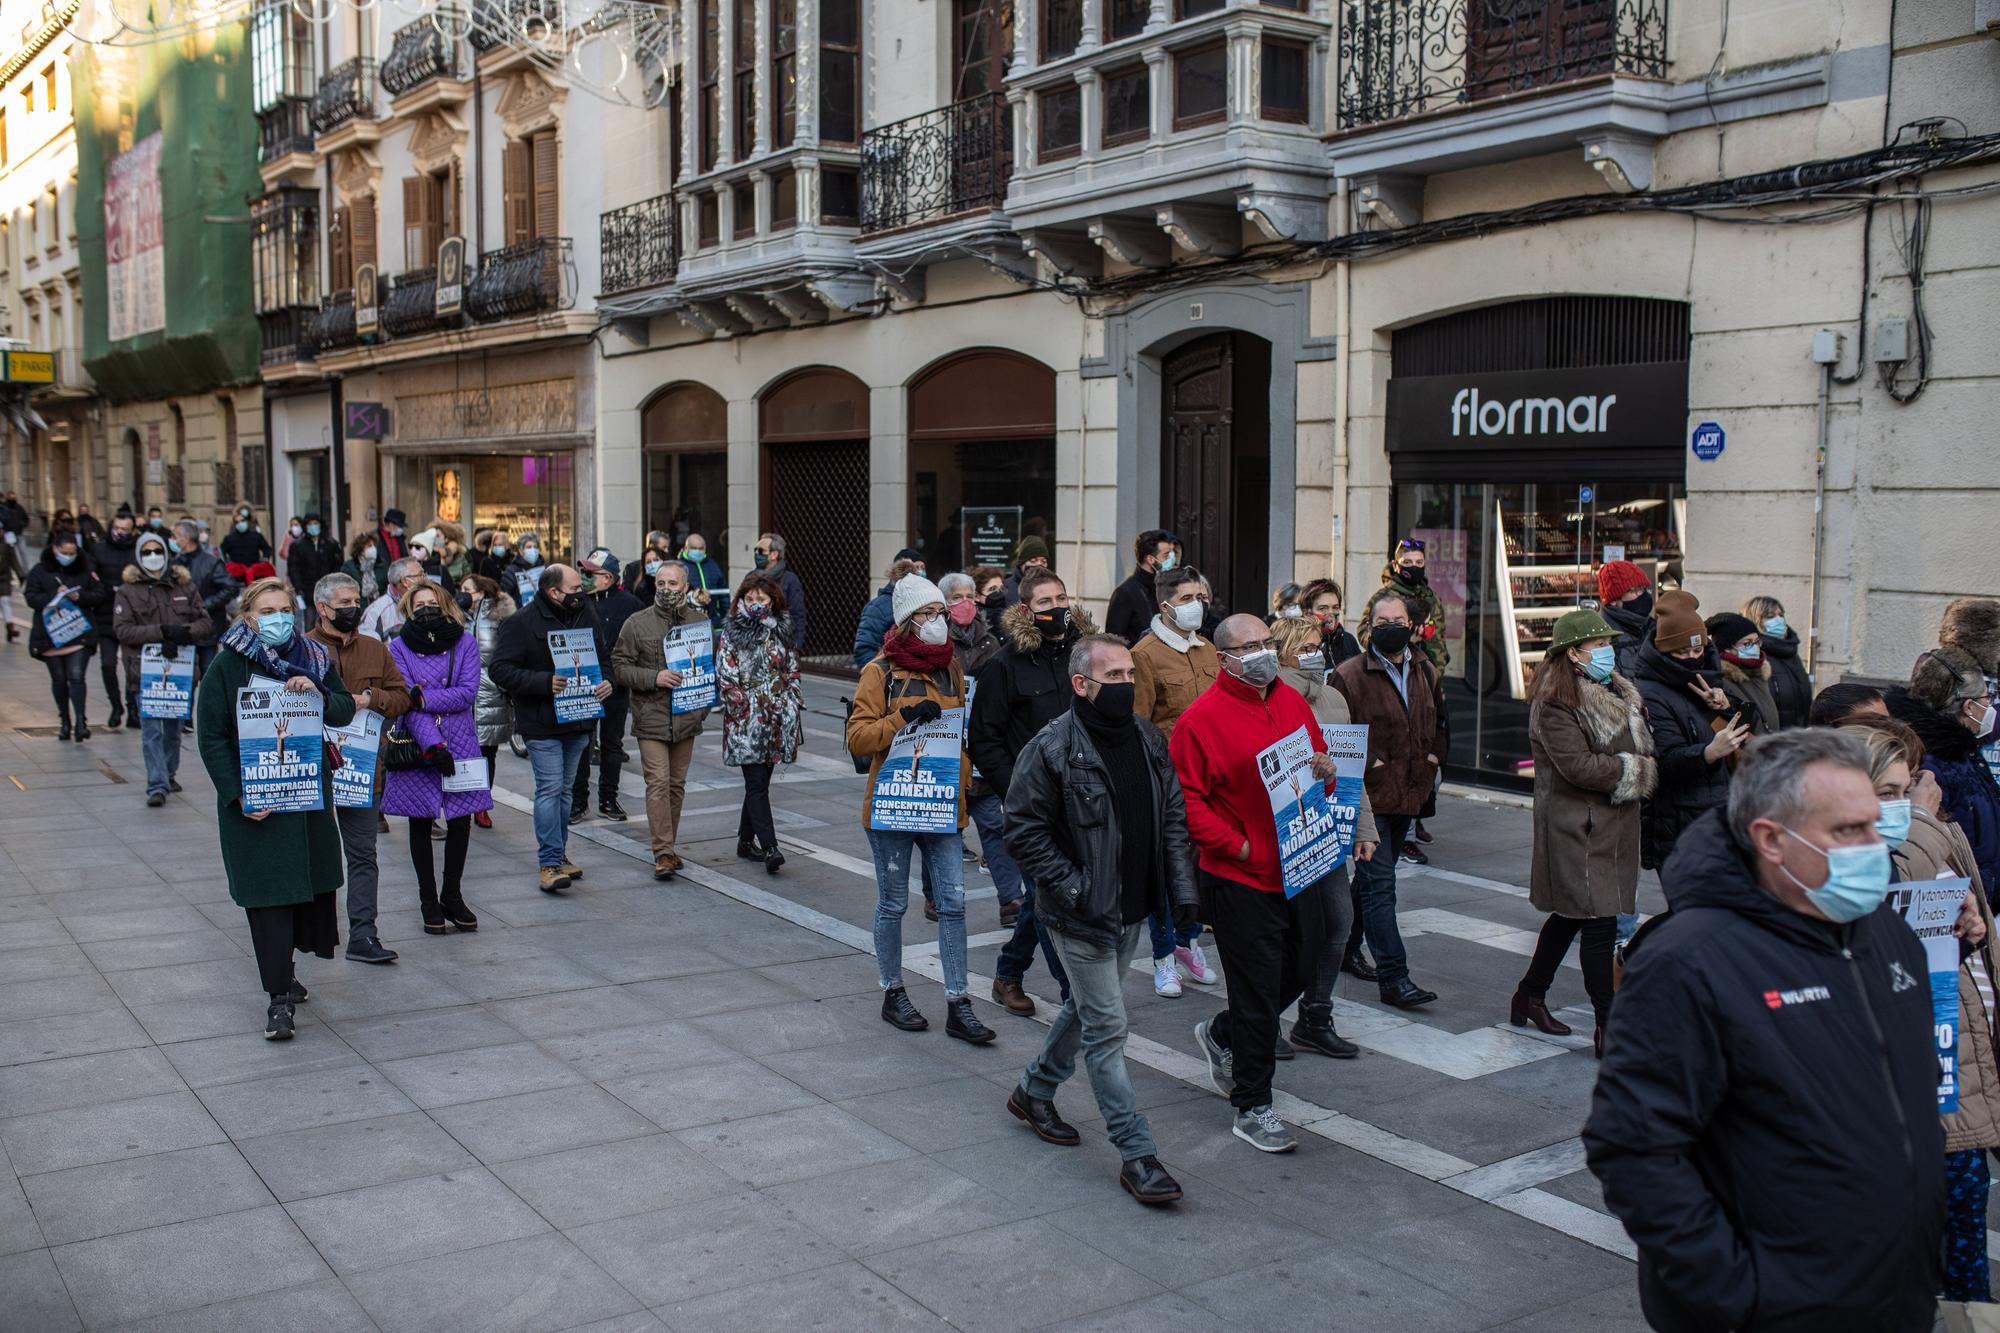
<point>639,244</point>
<point>411,305</point>
<point>347,93</point>
<point>225,483</point>
<point>287,334</point>
<point>951,160</point>
<point>521,280</point>
<point>1405,57</point>
<point>496,23</point>
<point>332,326</point>
<point>285,127</point>
<point>422,51</point>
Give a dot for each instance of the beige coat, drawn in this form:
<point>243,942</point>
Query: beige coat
<point>1593,764</point>
<point>1168,681</point>
<point>1937,848</point>
<point>1330,705</point>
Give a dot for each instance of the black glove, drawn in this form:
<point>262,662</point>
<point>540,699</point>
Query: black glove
<point>927,711</point>
<point>440,758</point>
<point>174,634</point>
<point>416,696</point>
<point>1187,918</point>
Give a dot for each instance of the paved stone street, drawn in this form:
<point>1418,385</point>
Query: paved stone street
<point>643,1106</point>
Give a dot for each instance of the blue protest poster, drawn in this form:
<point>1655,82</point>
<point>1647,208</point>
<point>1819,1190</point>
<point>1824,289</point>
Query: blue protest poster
<point>917,789</point>
<point>1990,752</point>
<point>166,684</point>
<point>360,743</point>
<point>1348,744</point>
<point>65,622</point>
<point>1310,846</point>
<point>1931,907</point>
<point>526,584</point>
<point>279,742</point>
<point>690,650</point>
<point>575,654</point>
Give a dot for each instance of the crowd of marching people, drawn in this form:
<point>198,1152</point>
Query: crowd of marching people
<point>1118,781</point>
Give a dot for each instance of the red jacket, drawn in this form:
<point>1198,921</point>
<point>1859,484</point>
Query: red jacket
<point>1214,748</point>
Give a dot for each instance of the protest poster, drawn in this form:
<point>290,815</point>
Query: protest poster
<point>527,584</point>
<point>1930,907</point>
<point>467,775</point>
<point>166,684</point>
<point>65,622</point>
<point>917,789</point>
<point>360,743</point>
<point>690,650</point>
<point>279,742</point>
<point>1313,840</point>
<point>575,654</point>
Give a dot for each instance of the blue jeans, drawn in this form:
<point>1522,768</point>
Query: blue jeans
<point>160,738</point>
<point>1093,1017</point>
<point>1166,936</point>
<point>1375,881</point>
<point>554,759</point>
<point>990,819</point>
<point>1628,925</point>
<point>1019,951</point>
<point>892,899</point>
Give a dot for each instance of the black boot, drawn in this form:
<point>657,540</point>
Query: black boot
<point>64,734</point>
<point>746,850</point>
<point>427,900</point>
<point>117,718</point>
<point>1041,1117</point>
<point>455,911</point>
<point>1314,1032</point>
<point>773,859</point>
<point>961,1022</point>
<point>897,1011</point>
<point>82,725</point>
<point>278,1019</point>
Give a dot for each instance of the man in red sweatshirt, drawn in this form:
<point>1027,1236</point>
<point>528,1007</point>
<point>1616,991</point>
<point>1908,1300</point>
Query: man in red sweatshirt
<point>1267,940</point>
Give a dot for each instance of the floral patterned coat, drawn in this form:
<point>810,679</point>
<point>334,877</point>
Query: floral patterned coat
<point>763,709</point>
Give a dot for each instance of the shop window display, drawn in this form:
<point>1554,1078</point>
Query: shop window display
<point>511,492</point>
<point>972,503</point>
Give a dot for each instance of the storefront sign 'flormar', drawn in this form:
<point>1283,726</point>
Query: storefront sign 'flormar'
<point>538,407</point>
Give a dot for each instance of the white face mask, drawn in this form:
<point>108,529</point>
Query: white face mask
<point>367,555</point>
<point>934,631</point>
<point>1290,613</point>
<point>1187,615</point>
<point>1987,718</point>
<point>153,561</point>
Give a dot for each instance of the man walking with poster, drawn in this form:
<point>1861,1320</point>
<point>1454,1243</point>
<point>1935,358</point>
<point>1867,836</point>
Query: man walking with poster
<point>158,619</point>
<point>665,656</point>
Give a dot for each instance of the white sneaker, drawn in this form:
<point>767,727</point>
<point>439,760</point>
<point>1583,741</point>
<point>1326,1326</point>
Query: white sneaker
<point>1166,978</point>
<point>1199,972</point>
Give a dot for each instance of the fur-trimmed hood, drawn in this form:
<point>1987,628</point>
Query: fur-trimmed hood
<point>1972,624</point>
<point>1017,626</point>
<point>1730,671</point>
<point>172,574</point>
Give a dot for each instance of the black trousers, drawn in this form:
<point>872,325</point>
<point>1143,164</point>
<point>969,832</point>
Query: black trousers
<point>277,933</point>
<point>492,753</point>
<point>457,835</point>
<point>754,825</point>
<point>1600,936</point>
<point>69,682</point>
<point>1337,903</point>
<point>120,697</point>
<point>1268,943</point>
<point>606,752</point>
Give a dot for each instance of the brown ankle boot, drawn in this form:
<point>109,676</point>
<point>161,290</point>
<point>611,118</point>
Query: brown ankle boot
<point>1525,1009</point>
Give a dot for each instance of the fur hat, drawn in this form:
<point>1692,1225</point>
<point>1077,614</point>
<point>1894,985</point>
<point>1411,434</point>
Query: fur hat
<point>1728,629</point>
<point>1677,622</point>
<point>912,593</point>
<point>1973,624</point>
<point>1615,578</point>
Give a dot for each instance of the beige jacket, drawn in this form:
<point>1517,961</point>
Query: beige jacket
<point>1937,848</point>
<point>1168,680</point>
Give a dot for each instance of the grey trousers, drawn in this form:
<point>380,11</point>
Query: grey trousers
<point>1093,1017</point>
<point>358,829</point>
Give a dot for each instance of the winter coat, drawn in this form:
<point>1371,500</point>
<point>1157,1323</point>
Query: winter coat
<point>285,858</point>
<point>976,645</point>
<point>1750,692</point>
<point>1633,631</point>
<point>1215,750</point>
<point>1166,680</point>
<point>158,608</point>
<point>1022,688</point>
<point>881,694</point>
<point>1062,827</point>
<point>795,599</point>
<point>1133,605</point>
<point>311,559</point>
<point>11,571</point>
<point>111,559</point>
<point>1338,647</point>
<point>877,618</point>
<point>212,584</point>
<point>1690,784</point>
<point>614,608</point>
<point>1789,686</point>
<point>1330,707</point>
<point>245,548</point>
<point>522,666</point>
<point>491,566</point>
<point>491,713</point>
<point>1593,765</point>
<point>1765,1119</point>
<point>1401,737</point>
<point>705,575</point>
<point>88,594</point>
<point>1971,797</point>
<point>510,579</point>
<point>638,657</point>
<point>763,708</point>
<point>450,683</point>
<point>365,666</point>
<point>372,580</point>
<point>1426,614</point>
<point>1937,848</point>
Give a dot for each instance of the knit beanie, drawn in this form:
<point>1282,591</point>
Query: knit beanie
<point>1615,578</point>
<point>1031,547</point>
<point>912,593</point>
<point>1729,629</point>
<point>1677,622</point>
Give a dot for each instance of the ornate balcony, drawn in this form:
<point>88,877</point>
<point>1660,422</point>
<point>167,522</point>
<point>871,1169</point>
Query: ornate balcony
<point>420,52</point>
<point>411,307</point>
<point>345,95</point>
<point>287,333</point>
<point>1401,58</point>
<point>953,160</point>
<point>284,128</point>
<point>524,279</point>
<point>639,245</point>
<point>332,328</point>
<point>498,23</point>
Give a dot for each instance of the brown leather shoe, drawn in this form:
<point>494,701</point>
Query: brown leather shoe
<point>1525,1009</point>
<point>1010,996</point>
<point>553,880</point>
<point>666,865</point>
<point>1010,913</point>
<point>571,870</point>
<point>1041,1117</point>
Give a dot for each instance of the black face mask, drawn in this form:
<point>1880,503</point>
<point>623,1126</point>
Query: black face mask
<point>1640,606</point>
<point>347,619</point>
<point>465,601</point>
<point>1389,639</point>
<point>995,600</point>
<point>123,538</point>
<point>428,613</point>
<point>1053,623</point>
<point>1414,575</point>
<point>571,601</point>
<point>1112,707</point>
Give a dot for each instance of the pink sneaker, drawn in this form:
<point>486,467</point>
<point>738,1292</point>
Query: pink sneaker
<point>1195,964</point>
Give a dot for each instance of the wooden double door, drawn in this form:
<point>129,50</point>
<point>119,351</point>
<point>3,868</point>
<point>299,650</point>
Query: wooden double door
<point>1215,465</point>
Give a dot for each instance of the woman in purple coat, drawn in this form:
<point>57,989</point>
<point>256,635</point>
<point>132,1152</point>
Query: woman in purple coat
<point>441,663</point>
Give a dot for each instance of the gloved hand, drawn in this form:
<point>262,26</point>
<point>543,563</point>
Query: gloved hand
<point>1187,918</point>
<point>174,634</point>
<point>926,711</point>
<point>416,697</point>
<point>440,758</point>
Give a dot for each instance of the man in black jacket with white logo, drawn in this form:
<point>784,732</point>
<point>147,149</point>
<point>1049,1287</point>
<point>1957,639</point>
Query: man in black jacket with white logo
<point>1096,818</point>
<point>1765,1123</point>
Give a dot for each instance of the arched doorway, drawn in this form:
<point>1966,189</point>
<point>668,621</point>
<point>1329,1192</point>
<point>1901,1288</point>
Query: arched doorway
<point>135,470</point>
<point>813,433</point>
<point>1215,465</point>
<point>982,458</point>
<point>684,432</point>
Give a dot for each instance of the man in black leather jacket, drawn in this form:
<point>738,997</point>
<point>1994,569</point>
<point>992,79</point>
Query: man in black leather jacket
<point>1096,818</point>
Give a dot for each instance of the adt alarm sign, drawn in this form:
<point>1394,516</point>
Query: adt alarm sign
<point>1707,441</point>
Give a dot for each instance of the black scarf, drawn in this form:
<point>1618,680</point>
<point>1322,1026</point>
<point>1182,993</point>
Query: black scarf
<point>1124,753</point>
<point>432,636</point>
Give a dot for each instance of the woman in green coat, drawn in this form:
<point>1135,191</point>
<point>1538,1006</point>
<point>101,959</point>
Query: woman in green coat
<point>283,868</point>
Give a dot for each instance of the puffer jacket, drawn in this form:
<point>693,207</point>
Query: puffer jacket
<point>1682,726</point>
<point>492,714</point>
<point>881,694</point>
<point>87,592</point>
<point>877,618</point>
<point>1593,765</point>
<point>1022,688</point>
<point>1936,848</point>
<point>1971,797</point>
<point>160,609</point>
<point>1765,1119</point>
<point>1750,691</point>
<point>637,659</point>
<point>1062,826</point>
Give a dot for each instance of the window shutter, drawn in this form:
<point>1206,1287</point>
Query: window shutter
<point>415,224</point>
<point>517,189</point>
<point>340,250</point>
<point>548,221</point>
<point>364,230</point>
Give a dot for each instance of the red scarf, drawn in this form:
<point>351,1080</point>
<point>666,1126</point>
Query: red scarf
<point>911,653</point>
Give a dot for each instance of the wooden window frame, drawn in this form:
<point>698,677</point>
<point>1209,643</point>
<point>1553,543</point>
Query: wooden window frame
<point>517,192</point>
<point>1284,115</point>
<point>840,50</point>
<point>1188,122</point>
<point>1043,27</point>
<point>784,74</point>
<point>743,220</point>
<point>340,250</point>
<point>1109,7</point>
<point>707,210</point>
<point>1044,152</point>
<point>547,182</point>
<point>1188,9</point>
<point>1106,138</point>
<point>743,77</point>
<point>784,183</point>
<point>708,84</point>
<point>844,172</point>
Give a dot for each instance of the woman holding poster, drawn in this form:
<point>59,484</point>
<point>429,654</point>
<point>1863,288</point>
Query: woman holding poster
<point>65,595</point>
<point>1593,752</point>
<point>283,868</point>
<point>763,709</point>
<point>912,694</point>
<point>440,663</point>
<point>158,619</point>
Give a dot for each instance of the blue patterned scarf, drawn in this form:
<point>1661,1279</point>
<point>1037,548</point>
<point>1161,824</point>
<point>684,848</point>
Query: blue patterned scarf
<point>300,656</point>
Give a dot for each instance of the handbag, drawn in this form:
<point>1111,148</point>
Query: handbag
<point>400,752</point>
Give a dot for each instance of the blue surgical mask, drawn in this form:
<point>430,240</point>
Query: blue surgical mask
<point>275,628</point>
<point>1775,627</point>
<point>499,548</point>
<point>1603,661</point>
<point>312,529</point>
<point>530,556</point>
<point>242,527</point>
<point>1857,879</point>
<point>65,560</point>
<point>1171,560</point>
<point>1893,824</point>
<point>652,567</point>
<point>1751,652</point>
